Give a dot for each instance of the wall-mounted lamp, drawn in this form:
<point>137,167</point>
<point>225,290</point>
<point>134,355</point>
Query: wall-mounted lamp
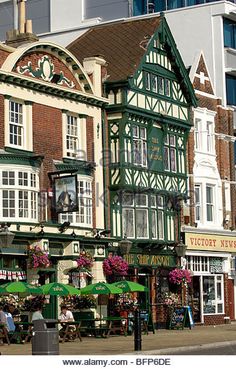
<point>41,232</point>
<point>125,246</point>
<point>63,227</point>
<point>6,237</point>
<point>180,249</point>
<point>73,234</point>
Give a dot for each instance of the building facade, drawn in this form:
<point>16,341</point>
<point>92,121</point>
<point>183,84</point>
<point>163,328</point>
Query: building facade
<point>210,212</point>
<point>148,121</point>
<point>50,145</point>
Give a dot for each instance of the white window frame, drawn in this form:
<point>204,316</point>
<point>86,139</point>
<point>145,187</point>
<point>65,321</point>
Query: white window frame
<point>80,150</point>
<point>197,133</point>
<point>209,136</point>
<point>216,277</point>
<point>210,204</point>
<point>198,204</point>
<point>84,216</point>
<point>139,145</point>
<point>25,127</point>
<point>19,199</point>
<point>170,153</point>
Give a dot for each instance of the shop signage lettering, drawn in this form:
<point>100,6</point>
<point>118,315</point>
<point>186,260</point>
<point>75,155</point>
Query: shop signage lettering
<point>210,242</point>
<point>152,260</point>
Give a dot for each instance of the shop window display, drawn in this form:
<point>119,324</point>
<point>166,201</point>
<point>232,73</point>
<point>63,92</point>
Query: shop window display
<point>213,294</point>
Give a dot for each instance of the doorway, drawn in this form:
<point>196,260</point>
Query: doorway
<point>50,307</point>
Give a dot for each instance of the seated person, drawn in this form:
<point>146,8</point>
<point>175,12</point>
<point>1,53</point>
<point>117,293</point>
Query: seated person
<point>3,322</point>
<point>66,316</point>
<point>37,314</point>
<point>9,320</point>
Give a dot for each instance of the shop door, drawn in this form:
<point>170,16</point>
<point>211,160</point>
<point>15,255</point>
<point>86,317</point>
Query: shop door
<point>144,278</point>
<point>231,298</point>
<point>195,299</point>
<point>50,306</point>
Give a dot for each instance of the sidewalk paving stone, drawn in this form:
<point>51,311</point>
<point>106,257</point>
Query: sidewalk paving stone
<point>163,341</point>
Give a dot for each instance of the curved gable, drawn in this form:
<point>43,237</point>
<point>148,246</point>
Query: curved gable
<point>50,63</point>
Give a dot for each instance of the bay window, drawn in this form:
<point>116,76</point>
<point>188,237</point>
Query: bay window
<point>19,194</point>
<point>139,219</point>
<point>83,216</point>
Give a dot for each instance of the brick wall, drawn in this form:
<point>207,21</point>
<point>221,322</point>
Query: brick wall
<point>47,138</point>
<point>214,319</point>
<point>3,56</point>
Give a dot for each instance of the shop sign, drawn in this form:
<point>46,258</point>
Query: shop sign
<point>196,241</point>
<point>151,260</point>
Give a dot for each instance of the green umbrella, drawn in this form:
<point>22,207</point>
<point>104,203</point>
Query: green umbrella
<point>100,288</point>
<point>59,289</point>
<point>128,286</point>
<point>20,287</point>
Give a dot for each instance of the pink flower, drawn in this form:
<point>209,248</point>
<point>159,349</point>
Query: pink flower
<point>85,260</point>
<point>38,258</point>
<point>115,265</point>
<point>178,276</point>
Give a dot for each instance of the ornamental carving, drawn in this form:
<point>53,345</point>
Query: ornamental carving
<point>45,71</point>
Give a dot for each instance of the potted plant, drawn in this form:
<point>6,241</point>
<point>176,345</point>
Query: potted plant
<point>115,265</point>
<point>180,276</point>
<point>85,260</point>
<point>38,258</point>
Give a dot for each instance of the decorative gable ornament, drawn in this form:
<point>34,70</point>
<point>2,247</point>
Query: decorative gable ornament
<point>45,71</point>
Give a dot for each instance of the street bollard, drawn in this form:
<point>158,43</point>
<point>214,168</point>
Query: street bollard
<point>137,331</point>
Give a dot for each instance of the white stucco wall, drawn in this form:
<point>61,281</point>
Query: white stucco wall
<point>201,28</point>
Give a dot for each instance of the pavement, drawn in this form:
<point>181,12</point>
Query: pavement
<point>164,341</point>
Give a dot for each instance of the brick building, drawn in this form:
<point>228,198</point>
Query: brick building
<point>50,138</point>
<point>209,215</point>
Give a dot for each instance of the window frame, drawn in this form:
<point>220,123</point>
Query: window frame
<point>25,127</point>
<point>85,201</point>
<point>19,199</point>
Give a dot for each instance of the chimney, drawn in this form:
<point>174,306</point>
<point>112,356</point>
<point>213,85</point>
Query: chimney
<point>24,33</point>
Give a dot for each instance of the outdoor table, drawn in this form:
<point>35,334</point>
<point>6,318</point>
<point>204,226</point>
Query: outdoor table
<point>23,331</point>
<point>67,333</point>
<point>105,326</point>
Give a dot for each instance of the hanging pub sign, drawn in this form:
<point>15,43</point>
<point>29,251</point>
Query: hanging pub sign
<point>65,194</point>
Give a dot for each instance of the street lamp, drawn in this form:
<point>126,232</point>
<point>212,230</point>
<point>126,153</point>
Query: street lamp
<point>6,237</point>
<point>125,246</point>
<point>180,249</point>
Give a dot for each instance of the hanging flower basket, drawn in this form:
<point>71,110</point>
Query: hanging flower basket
<point>85,260</point>
<point>179,276</point>
<point>115,265</point>
<point>38,258</point>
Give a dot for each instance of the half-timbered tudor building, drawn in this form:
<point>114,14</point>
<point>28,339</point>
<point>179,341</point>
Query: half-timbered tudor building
<point>147,125</point>
<point>50,132</point>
